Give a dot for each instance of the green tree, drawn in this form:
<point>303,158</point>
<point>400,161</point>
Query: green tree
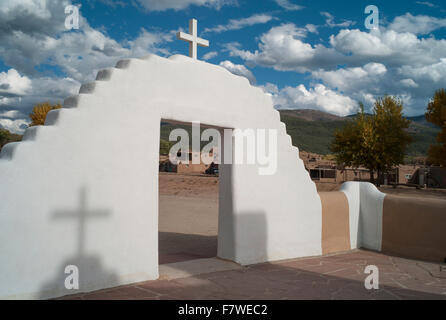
<point>38,115</point>
<point>391,138</point>
<point>6,137</point>
<point>165,146</point>
<point>436,114</point>
<point>377,142</point>
<point>348,143</point>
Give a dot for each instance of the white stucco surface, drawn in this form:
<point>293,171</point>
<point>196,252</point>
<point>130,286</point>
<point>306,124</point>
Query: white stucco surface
<point>99,156</point>
<point>351,191</point>
<point>366,213</point>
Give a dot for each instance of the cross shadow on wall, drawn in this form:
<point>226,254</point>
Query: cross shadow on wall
<point>91,270</point>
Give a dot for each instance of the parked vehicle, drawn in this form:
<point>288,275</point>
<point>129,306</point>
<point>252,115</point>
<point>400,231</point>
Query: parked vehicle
<point>212,170</point>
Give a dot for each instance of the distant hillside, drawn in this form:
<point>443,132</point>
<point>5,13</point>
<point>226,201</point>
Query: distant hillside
<point>313,131</point>
<point>310,130</point>
<point>310,115</point>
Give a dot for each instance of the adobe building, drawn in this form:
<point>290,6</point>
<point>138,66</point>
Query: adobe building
<point>431,177</point>
<point>196,163</point>
<point>323,170</point>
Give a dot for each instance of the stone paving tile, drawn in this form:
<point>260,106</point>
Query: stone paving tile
<point>322,267</point>
<point>250,286</point>
<point>121,293</point>
<point>178,257</point>
<point>338,276</point>
<point>384,294</point>
<point>404,294</point>
<point>161,287</point>
<point>353,291</point>
<point>195,288</point>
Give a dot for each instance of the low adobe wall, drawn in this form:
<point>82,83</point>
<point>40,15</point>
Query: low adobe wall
<point>335,222</point>
<point>414,227</point>
<point>404,226</point>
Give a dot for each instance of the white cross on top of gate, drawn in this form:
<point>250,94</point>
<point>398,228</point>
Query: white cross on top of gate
<point>192,38</point>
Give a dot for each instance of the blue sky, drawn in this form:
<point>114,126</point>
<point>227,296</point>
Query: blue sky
<point>305,54</point>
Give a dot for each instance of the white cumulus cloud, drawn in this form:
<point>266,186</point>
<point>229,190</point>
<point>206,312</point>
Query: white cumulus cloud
<point>32,34</point>
<point>417,24</point>
<point>237,24</point>
<point>330,21</point>
<point>13,84</point>
<point>210,55</point>
<point>17,126</point>
<point>426,3</point>
<point>353,79</point>
<point>318,98</point>
<point>288,5</point>
<point>284,48</point>
<point>162,5</point>
<point>239,70</point>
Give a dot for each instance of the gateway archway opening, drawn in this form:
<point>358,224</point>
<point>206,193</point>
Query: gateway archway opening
<point>188,199</point>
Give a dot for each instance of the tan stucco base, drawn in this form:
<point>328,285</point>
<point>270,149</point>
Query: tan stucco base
<point>335,222</point>
<point>414,228</point>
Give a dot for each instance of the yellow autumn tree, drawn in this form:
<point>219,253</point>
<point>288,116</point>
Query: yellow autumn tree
<point>7,137</point>
<point>377,141</point>
<point>436,114</point>
<point>40,110</point>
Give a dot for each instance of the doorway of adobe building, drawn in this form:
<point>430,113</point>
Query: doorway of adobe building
<point>188,202</point>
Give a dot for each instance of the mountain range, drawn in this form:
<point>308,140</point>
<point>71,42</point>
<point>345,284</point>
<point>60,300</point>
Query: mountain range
<point>313,131</point>
<point>310,130</point>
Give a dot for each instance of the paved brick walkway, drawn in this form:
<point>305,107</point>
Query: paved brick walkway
<point>338,276</point>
